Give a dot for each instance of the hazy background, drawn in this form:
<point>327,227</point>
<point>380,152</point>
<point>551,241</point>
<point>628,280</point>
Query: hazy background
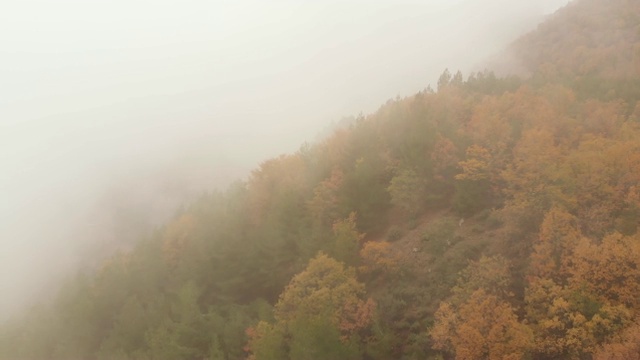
<point>113,113</point>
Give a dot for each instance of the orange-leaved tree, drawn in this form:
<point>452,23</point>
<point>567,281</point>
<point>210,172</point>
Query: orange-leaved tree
<point>379,258</point>
<point>625,346</point>
<point>553,250</point>
<point>482,327</point>
<point>610,269</point>
<point>478,322</point>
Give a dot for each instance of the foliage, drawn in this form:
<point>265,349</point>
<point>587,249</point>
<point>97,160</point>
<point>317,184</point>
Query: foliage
<point>407,191</point>
<point>611,270</point>
<point>553,250</point>
<point>321,312</point>
<point>378,258</point>
<point>482,327</point>
<point>440,235</point>
<point>394,233</point>
<point>347,240</point>
<point>510,206</point>
<point>625,346</point>
<point>473,183</point>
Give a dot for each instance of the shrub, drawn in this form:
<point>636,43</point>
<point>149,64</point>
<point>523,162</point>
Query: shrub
<point>394,233</point>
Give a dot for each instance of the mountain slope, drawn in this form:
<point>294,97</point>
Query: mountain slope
<point>494,218</point>
<point>586,38</point>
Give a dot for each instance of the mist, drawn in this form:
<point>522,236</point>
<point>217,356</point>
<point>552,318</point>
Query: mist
<point>115,113</point>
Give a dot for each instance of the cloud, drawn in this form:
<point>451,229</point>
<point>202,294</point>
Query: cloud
<point>104,105</point>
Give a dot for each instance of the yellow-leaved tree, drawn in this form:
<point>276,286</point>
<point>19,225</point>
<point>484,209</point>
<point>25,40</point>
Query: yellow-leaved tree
<point>482,327</point>
<point>478,322</point>
<point>611,269</point>
<point>322,314</point>
<point>553,250</point>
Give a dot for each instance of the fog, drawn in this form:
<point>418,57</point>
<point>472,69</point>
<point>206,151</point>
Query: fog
<point>114,113</point>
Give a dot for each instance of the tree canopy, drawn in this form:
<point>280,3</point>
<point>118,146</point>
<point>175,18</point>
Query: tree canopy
<point>494,218</point>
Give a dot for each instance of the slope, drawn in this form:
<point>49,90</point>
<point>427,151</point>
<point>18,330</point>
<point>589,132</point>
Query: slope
<point>353,247</point>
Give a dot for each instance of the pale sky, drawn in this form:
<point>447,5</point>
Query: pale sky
<point>120,107</point>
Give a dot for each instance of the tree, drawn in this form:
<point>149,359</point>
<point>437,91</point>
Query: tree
<point>407,192</point>
<point>482,327</point>
<point>457,79</point>
<point>553,251</point>
<point>176,238</point>
<point>182,334</point>
<point>270,184</point>
<point>322,311</point>
<point>532,177</point>
<point>445,159</point>
<point>444,79</point>
<point>560,329</point>
<point>365,190</point>
<point>266,342</point>
<point>325,204</point>
<point>378,258</point>
<point>477,322</point>
<point>625,346</point>
<point>326,288</point>
<point>127,334</point>
<point>610,270</point>
<point>346,240</point>
<point>568,323</point>
<point>600,178</point>
<point>473,184</point>
<point>492,274</point>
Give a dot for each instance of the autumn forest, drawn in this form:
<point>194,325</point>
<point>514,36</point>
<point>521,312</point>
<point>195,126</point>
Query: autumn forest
<point>491,217</point>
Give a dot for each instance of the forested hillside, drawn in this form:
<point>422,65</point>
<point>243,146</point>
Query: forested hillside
<point>493,218</point>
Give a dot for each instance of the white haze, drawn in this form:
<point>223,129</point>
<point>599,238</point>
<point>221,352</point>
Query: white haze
<point>113,113</point>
